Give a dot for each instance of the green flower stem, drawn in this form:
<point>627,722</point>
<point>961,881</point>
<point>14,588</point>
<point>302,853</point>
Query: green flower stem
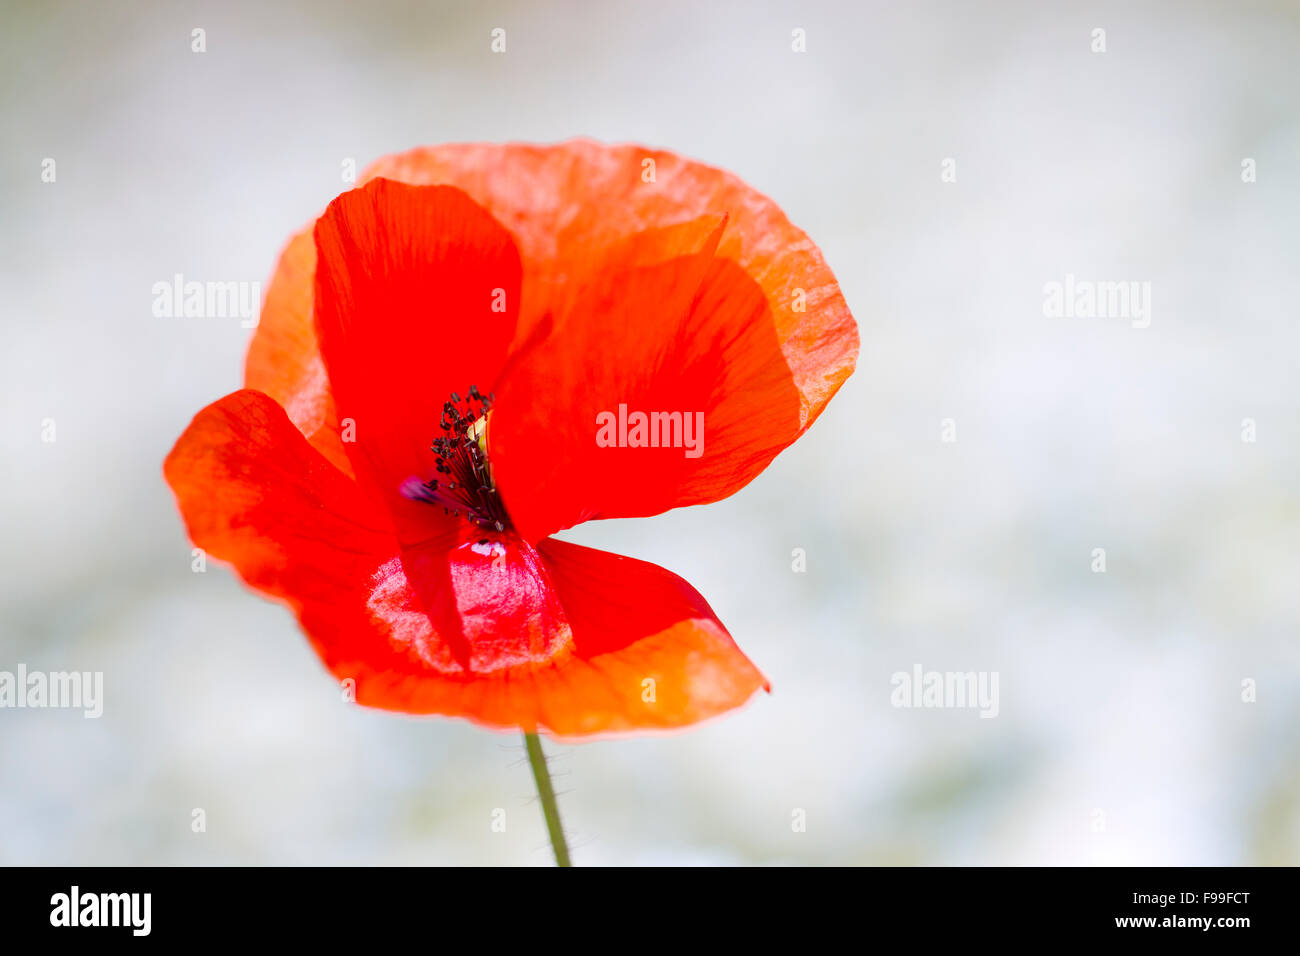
<point>547,795</point>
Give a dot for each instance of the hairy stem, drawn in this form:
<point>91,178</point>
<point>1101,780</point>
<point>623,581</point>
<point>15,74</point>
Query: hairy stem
<point>547,795</point>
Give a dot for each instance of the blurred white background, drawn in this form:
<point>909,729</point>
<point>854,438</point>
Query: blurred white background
<point>1122,736</point>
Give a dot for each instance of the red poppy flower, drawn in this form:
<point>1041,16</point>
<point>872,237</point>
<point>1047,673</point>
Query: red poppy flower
<point>421,413</point>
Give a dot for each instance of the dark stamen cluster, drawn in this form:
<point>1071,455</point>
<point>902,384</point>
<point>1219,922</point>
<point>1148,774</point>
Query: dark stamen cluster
<point>466,486</point>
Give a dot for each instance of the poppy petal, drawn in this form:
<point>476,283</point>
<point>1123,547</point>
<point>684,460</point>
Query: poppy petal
<point>416,298</point>
<point>682,399</point>
<point>580,643</point>
<point>283,359</point>
<point>562,199</point>
<point>564,202</point>
<point>254,493</point>
<point>767,323</point>
<point>411,627</point>
<point>648,651</point>
<point>559,638</point>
